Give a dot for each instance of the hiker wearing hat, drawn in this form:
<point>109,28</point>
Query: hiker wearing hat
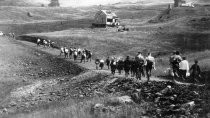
<point>127,66</point>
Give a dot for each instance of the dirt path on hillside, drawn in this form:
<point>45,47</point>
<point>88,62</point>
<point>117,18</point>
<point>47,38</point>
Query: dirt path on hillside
<point>91,65</point>
<point>87,65</point>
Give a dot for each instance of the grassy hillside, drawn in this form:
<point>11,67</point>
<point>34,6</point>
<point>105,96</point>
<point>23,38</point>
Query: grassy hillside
<point>184,29</point>
<point>23,2</point>
<point>16,19</point>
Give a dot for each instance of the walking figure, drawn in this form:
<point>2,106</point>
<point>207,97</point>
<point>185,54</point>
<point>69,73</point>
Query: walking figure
<point>101,64</point>
<point>97,62</point>
<point>113,66</point>
<point>108,61</point>
<point>150,64</point>
<point>127,66</point>
<point>195,71</point>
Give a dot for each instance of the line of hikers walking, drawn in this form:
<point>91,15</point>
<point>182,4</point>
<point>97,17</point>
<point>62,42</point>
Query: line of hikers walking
<point>138,65</point>
<point>135,66</point>
<point>84,54</point>
<point>132,66</point>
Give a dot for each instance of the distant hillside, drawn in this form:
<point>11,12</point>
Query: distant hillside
<point>24,2</point>
<point>76,3</point>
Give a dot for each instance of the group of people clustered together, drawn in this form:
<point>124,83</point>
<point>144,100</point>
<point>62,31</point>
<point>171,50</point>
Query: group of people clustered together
<point>135,66</point>
<point>85,54</point>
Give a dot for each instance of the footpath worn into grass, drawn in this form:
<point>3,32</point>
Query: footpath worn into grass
<point>91,65</point>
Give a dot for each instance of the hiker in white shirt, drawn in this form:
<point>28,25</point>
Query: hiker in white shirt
<point>183,68</point>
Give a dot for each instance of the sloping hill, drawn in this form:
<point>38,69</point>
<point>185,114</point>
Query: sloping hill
<point>24,2</point>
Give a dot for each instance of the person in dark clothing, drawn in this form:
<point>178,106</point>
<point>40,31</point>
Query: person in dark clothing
<point>133,67</point>
<point>108,61</point>
<point>127,66</point>
<point>97,62</point>
<point>140,64</point>
<point>175,60</point>
<point>150,64</point>
<point>113,66</point>
<point>195,71</point>
<point>120,65</point>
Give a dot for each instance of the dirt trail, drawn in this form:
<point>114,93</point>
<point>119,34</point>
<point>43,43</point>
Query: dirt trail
<point>91,65</point>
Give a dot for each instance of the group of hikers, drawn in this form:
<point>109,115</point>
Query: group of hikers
<point>85,55</point>
<point>138,65</point>
<point>45,43</point>
<point>11,35</point>
<point>181,69</point>
<point>132,66</point>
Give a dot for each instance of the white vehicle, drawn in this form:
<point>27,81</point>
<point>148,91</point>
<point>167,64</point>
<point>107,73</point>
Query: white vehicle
<point>1,33</point>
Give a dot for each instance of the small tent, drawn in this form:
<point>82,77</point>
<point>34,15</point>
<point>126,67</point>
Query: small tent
<point>105,18</point>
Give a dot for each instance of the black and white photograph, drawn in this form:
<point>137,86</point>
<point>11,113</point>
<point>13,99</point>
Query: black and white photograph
<point>104,58</point>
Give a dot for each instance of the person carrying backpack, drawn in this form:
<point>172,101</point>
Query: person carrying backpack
<point>175,64</point>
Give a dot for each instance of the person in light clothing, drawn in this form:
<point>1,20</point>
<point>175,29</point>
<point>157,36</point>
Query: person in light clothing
<point>183,68</point>
<point>101,64</point>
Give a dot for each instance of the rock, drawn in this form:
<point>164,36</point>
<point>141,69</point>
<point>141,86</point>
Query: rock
<point>81,96</point>
<point>24,80</point>
<point>188,105</point>
<point>13,103</point>
<point>120,100</point>
<point>5,110</point>
<point>136,96</point>
<point>98,106</point>
<point>98,93</point>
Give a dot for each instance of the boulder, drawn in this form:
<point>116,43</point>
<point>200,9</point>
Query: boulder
<point>119,100</point>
